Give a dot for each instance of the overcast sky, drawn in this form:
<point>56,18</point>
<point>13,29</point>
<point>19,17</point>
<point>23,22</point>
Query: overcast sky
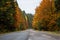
<point>28,5</point>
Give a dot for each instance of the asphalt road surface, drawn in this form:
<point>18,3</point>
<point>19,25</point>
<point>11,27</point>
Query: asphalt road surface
<point>29,35</point>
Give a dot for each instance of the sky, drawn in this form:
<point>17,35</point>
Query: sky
<point>28,5</point>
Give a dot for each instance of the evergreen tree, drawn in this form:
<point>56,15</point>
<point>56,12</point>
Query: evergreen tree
<point>57,5</point>
<point>7,11</point>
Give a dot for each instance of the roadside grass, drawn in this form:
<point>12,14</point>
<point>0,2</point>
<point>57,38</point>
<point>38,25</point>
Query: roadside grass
<point>5,32</point>
<point>51,32</point>
<point>54,33</point>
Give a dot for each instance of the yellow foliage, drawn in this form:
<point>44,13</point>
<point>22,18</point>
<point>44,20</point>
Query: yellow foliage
<point>46,16</point>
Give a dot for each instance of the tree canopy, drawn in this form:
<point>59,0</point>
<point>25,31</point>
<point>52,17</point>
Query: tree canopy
<point>45,16</point>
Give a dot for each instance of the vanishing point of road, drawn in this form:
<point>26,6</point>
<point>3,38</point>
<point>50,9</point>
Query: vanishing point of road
<point>29,35</point>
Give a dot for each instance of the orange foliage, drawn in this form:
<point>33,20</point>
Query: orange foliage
<point>19,19</point>
<point>45,16</point>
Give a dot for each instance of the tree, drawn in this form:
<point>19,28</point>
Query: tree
<point>20,22</point>
<point>57,5</point>
<point>29,17</point>
<point>10,16</point>
<point>7,11</point>
<point>45,16</point>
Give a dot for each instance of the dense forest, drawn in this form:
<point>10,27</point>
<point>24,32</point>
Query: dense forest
<point>11,17</point>
<point>47,16</point>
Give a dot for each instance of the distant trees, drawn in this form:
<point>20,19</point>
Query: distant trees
<point>30,18</point>
<point>45,16</point>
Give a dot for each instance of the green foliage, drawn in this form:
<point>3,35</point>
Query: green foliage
<point>30,18</point>
<point>24,14</point>
<point>21,26</point>
<point>58,22</point>
<point>57,5</point>
<point>7,11</point>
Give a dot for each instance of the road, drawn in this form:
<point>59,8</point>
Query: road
<point>41,35</point>
<point>29,35</point>
<point>23,35</point>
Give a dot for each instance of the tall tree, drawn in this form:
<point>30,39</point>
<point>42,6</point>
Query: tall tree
<point>45,16</point>
<point>7,11</point>
<point>11,17</point>
<point>57,5</point>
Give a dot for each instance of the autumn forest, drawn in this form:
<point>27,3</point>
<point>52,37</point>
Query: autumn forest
<point>46,17</point>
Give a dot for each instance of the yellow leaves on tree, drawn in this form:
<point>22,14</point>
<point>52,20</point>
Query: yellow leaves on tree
<point>20,22</point>
<point>45,16</point>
